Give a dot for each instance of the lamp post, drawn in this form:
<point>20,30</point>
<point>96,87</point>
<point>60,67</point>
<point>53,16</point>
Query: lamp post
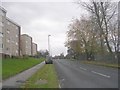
<point>49,45</point>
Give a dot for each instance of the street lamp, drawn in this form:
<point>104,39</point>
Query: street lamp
<point>49,44</point>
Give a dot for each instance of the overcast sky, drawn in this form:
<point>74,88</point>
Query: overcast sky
<point>38,19</point>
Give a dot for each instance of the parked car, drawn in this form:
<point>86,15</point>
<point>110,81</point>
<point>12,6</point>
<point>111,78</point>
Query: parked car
<point>48,60</point>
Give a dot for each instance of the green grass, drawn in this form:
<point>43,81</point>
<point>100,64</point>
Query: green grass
<point>47,73</point>
<point>102,64</point>
<point>11,67</point>
<point>0,70</point>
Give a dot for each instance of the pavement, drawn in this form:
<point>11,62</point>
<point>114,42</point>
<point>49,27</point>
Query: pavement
<point>19,79</point>
<point>73,74</point>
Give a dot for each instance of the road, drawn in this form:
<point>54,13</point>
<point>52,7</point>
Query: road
<point>73,74</point>
<point>19,79</point>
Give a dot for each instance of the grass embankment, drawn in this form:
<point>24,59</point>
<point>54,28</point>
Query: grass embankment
<point>14,66</point>
<point>46,77</point>
<point>0,69</point>
<point>102,64</point>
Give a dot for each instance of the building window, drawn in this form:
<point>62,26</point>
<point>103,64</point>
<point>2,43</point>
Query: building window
<point>7,49</point>
<point>16,35</point>
<point>1,24</point>
<point>8,31</point>
<point>1,34</point>
<point>16,52</point>
<point>8,40</point>
<point>1,45</point>
<point>16,43</point>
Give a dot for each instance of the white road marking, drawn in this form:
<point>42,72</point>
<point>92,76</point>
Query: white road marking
<point>100,74</point>
<point>60,82</point>
<point>59,86</point>
<point>83,68</point>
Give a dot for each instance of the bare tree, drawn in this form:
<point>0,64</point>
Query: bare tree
<point>82,37</point>
<point>103,12</point>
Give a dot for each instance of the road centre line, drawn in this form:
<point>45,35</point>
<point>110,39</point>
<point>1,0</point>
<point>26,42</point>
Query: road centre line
<point>100,74</point>
<point>83,68</point>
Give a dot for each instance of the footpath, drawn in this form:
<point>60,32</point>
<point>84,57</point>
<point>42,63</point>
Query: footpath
<point>19,79</point>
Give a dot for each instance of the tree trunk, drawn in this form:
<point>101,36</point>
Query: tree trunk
<point>106,27</point>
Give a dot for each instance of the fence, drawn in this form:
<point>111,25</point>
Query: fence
<point>107,58</point>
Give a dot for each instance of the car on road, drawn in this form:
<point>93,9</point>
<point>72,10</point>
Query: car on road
<point>48,60</point>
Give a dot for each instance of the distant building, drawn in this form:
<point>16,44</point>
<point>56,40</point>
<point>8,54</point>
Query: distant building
<point>12,43</point>
<point>26,45</point>
<point>9,36</point>
<point>34,49</point>
<point>12,38</point>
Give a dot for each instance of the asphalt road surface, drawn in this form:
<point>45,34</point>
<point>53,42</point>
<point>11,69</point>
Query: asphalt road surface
<point>73,74</point>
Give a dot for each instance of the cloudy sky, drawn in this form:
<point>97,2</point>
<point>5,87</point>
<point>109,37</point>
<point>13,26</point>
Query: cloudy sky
<point>39,19</point>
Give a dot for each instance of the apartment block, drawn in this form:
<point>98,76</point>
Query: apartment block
<point>34,49</point>
<point>12,43</point>
<point>2,29</point>
<point>26,45</point>
<point>10,36</point>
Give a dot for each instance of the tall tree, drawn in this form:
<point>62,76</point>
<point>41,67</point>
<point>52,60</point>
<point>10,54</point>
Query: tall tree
<point>103,12</point>
<point>82,37</point>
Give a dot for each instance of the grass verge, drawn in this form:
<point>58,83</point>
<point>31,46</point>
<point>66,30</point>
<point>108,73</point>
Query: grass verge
<point>102,64</point>
<point>46,77</point>
<point>14,66</point>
